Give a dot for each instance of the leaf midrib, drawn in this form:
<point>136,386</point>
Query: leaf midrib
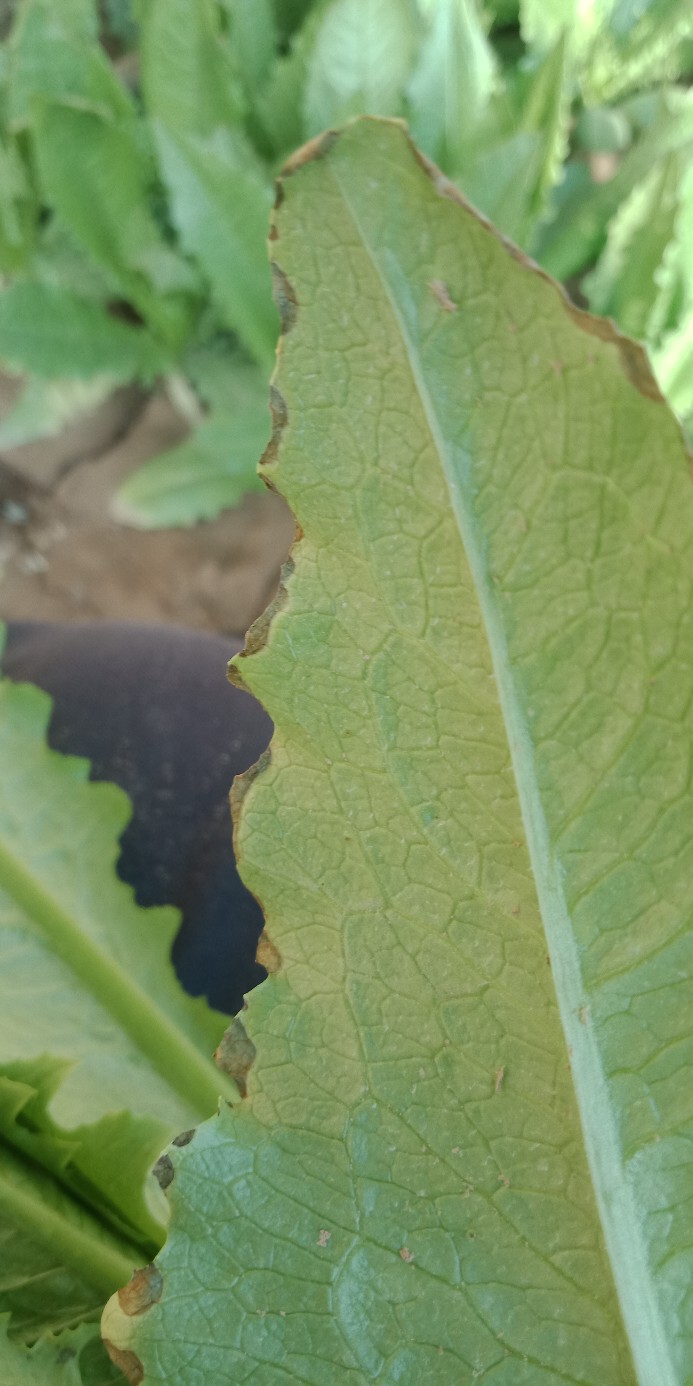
<point>627,1253</point>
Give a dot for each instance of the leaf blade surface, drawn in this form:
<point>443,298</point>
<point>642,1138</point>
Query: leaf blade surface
<point>465,1143</point>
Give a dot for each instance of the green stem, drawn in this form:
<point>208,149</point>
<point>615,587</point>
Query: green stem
<point>169,1050</point>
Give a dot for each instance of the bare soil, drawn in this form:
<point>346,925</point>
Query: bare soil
<point>64,556</point>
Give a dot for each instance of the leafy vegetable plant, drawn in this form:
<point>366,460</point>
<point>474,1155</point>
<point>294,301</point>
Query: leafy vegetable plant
<point>102,1056</point>
<point>465,1150</point>
<point>138,145</point>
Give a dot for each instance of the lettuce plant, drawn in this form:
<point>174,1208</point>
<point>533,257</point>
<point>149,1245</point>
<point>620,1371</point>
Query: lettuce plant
<point>465,1150</point>
<point>138,143</point>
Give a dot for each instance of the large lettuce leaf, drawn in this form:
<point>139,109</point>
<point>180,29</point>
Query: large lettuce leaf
<point>465,1153</point>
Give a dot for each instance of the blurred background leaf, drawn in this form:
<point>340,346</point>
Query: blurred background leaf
<point>139,140</point>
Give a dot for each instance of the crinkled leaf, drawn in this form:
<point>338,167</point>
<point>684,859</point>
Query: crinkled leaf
<point>59,1262</point>
<point>361,60</point>
<point>73,1358</point>
<point>465,1153</point>
<point>637,42</point>
<point>212,469</point>
<point>624,283</point>
<point>618,45</point>
<point>102,1055</point>
<point>47,330</point>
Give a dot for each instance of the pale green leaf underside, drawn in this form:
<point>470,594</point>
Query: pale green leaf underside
<point>466,1151</point>
<point>103,1058</point>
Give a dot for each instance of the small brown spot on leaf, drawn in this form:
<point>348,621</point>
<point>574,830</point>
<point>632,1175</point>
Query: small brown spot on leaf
<point>127,1361</point>
<point>236,1054</point>
<point>440,293</point>
<point>406,1254</point>
<point>163,1171</point>
<point>500,1075</point>
<point>142,1291</point>
<point>285,299</point>
<point>323,1236</point>
<point>315,148</point>
<point>267,955</point>
<point>184,1138</point>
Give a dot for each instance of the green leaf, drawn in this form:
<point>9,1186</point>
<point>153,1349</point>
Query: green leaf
<point>219,191</point>
<point>600,130</point>
<point>102,1055</point>
<point>466,1149</point>
<point>253,40</point>
<point>624,282</point>
<point>672,362</point>
<point>577,234</point>
<point>46,407</point>
<point>97,178</point>
<point>219,202</point>
<point>543,22</point>
<point>58,1261</point>
<point>17,208</point>
<point>511,178</point>
<point>278,107</point>
<point>361,61</point>
<point>49,331</point>
<point>54,54</point>
<point>212,469</point>
<point>290,15</point>
<point>638,42</point>
<point>120,17</point>
<point>452,82</point>
<point>189,80</point>
<point>59,258</point>
<point>75,1358</point>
